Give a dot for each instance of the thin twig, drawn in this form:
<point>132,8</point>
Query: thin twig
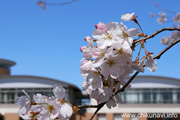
<point>87,106</point>
<point>167,48</point>
<point>157,32</point>
<point>99,107</point>
<point>129,81</point>
<point>165,10</point>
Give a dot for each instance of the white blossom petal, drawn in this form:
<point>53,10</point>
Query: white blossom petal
<point>151,64</point>
<point>59,92</point>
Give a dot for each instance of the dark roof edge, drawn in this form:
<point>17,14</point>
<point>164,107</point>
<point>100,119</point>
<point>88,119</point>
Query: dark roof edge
<point>156,76</point>
<point>38,77</point>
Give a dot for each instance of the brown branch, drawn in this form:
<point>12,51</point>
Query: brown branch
<point>167,48</point>
<point>157,32</point>
<point>131,79</point>
<point>87,106</point>
<point>99,107</point>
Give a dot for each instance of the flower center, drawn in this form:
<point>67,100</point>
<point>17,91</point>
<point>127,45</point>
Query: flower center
<point>110,63</point>
<point>50,107</point>
<point>102,53</point>
<point>109,36</point>
<point>96,73</point>
<point>125,34</point>
<point>120,51</point>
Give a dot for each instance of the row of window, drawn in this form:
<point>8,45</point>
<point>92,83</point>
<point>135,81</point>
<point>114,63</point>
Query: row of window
<point>8,96</point>
<point>155,96</point>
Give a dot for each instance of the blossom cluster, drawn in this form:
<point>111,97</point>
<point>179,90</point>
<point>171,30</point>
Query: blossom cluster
<point>42,107</point>
<point>168,16</point>
<point>107,60</point>
<point>162,17</point>
<point>173,37</point>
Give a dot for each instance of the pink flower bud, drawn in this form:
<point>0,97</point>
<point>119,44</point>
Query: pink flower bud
<point>101,26</point>
<point>83,48</point>
<point>148,53</point>
<point>96,26</point>
<point>87,38</point>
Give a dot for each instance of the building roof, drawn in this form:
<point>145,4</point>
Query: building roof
<point>7,62</point>
<point>154,82</point>
<point>7,81</point>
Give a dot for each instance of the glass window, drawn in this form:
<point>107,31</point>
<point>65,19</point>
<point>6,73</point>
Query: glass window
<point>166,97</point>
<point>178,97</point>
<point>118,117</point>
<point>132,96</point>
<point>146,97</point>
<point>101,117</point>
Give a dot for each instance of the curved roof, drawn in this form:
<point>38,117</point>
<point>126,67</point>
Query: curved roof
<point>7,62</point>
<point>7,81</point>
<point>155,82</point>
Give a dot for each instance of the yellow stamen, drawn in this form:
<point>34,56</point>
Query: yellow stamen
<point>110,63</point>
<point>95,72</point>
<point>125,34</point>
<point>109,36</point>
<point>62,101</point>
<point>50,107</point>
<point>120,51</point>
<point>102,53</point>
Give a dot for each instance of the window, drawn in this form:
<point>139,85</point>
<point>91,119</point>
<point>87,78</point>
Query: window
<point>178,97</point>
<point>146,97</point>
<point>131,96</point>
<point>166,96</point>
<point>151,96</point>
<point>101,117</point>
<point>118,117</point>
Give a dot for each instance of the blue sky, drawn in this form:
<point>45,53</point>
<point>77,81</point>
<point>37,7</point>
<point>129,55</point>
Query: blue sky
<point>46,42</point>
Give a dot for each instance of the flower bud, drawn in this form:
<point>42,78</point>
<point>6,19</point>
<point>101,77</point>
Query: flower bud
<point>83,48</point>
<point>87,38</point>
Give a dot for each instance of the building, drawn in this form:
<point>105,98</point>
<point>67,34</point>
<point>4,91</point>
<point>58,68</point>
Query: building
<point>149,98</point>
<point>11,86</point>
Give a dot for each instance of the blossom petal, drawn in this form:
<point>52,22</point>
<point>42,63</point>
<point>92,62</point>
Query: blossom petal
<point>59,92</point>
<point>133,32</point>
<point>151,65</point>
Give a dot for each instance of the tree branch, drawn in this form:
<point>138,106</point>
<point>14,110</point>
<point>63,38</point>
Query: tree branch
<point>132,78</point>
<point>99,107</point>
<point>167,48</point>
<point>87,106</point>
<point>129,81</point>
<point>157,32</point>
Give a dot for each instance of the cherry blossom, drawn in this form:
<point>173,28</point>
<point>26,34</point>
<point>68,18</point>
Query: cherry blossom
<point>139,65</point>
<point>162,18</point>
<point>165,40</point>
<point>108,37</point>
<point>42,107</point>
<point>128,17</point>
<point>177,18</point>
